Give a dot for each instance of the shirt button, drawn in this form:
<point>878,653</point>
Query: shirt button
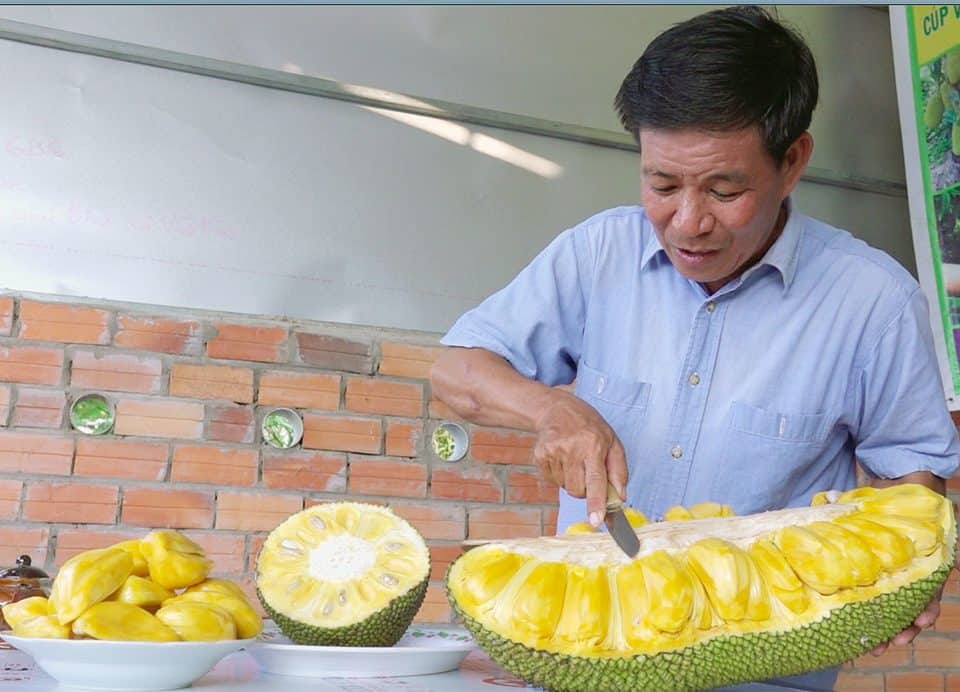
<point>711,306</point>
<point>694,379</point>
<point>676,452</point>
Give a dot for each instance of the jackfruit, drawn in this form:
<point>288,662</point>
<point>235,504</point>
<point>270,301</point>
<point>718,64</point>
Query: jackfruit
<point>173,559</point>
<point>141,592</point>
<point>343,574</point>
<point>18,612</point>
<point>86,579</point>
<point>42,627</point>
<point>121,622</point>
<point>194,621</point>
<point>949,97</point>
<point>933,113</point>
<point>248,623</point>
<point>951,66</point>
<point>709,602</point>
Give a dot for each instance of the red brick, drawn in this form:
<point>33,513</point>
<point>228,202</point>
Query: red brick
<point>949,619</point>
<point>4,404</point>
<point>159,418</point>
<point>436,606</point>
<point>75,324</point>
<point>73,541</point>
<point>31,364</point>
<point>225,549</point>
<point>334,353</point>
<point>550,516</point>
<point>530,488</point>
<point>256,543</point>
<point>371,395</point>
<point>387,477</point>
<point>438,410</point>
<point>229,423</point>
<point>342,433</point>
<point>116,372</point>
<point>212,382</point>
<point>180,337</point>
<point>857,682</point>
<point>501,446</point>
<point>307,471</point>
<point>19,540</point>
<point>167,508</point>
<point>435,522</point>
<point>254,511</point>
<point>952,587</point>
<point>504,523</point>
<point>35,453</point>
<point>953,683</point>
<point>115,458</point>
<point>217,465</point>
<point>299,390</point>
<point>914,682</point>
<point>246,342</point>
<point>440,558</point>
<point>6,315</point>
<point>407,360</point>
<point>74,502</point>
<point>403,438</point>
<point>466,483</point>
<point>934,651</point>
<point>38,408</point>
<point>10,498</point>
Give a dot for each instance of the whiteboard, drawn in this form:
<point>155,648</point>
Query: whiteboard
<point>132,183</point>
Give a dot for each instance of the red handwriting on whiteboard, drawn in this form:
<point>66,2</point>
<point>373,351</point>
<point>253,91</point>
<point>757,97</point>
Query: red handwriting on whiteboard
<point>29,146</point>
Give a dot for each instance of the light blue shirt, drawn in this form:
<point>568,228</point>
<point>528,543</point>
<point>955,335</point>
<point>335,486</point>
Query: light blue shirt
<point>757,396</point>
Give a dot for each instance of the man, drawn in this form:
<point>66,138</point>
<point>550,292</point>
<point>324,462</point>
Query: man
<point>724,346</point>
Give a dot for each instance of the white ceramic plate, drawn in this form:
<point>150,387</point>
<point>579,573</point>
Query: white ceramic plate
<point>108,665</point>
<point>423,650</point>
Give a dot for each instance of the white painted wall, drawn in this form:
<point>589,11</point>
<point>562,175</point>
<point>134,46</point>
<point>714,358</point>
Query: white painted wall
<point>136,183</point>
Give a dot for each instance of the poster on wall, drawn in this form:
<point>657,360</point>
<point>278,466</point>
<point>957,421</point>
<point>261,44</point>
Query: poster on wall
<point>926,46</point>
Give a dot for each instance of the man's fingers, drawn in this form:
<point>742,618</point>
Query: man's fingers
<point>595,478</point>
<point>573,479</point>
<point>616,465</point>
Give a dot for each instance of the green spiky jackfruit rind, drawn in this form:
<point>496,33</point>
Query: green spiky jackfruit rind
<point>382,628</point>
<point>844,634</point>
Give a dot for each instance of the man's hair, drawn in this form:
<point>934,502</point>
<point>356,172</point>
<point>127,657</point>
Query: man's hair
<point>725,70</point>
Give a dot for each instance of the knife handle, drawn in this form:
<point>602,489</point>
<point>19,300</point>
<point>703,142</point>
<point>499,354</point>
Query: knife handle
<point>613,498</point>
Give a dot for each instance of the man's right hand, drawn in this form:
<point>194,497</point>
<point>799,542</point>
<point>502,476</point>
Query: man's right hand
<point>578,450</point>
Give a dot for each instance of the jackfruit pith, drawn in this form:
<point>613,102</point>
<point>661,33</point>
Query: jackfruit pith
<point>711,601</point>
<point>343,574</point>
<point>152,589</point>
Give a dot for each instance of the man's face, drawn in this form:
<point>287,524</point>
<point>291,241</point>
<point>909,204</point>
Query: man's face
<point>714,198</point>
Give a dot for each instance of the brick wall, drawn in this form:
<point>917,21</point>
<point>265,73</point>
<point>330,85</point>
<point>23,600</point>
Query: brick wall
<point>186,451</point>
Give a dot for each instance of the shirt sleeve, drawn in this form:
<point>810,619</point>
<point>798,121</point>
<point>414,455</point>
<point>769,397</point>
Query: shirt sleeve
<point>536,322</point>
<point>905,425</point>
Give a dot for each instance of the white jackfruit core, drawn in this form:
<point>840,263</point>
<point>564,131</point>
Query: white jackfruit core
<point>341,558</point>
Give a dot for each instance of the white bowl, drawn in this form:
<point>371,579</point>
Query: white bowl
<point>107,665</point>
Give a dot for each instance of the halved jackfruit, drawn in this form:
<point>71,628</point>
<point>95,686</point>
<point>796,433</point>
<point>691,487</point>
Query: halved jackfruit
<point>343,574</point>
<point>709,602</point>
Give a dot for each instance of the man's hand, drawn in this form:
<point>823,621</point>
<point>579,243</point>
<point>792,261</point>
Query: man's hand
<point>578,450</point>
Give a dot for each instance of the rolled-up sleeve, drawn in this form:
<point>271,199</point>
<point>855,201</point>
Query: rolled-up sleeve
<point>905,425</point>
<point>536,322</point>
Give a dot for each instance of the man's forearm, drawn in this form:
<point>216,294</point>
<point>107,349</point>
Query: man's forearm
<point>926,478</point>
<point>483,388</point>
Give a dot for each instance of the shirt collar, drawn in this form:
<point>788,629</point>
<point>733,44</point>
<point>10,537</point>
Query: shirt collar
<point>782,255</point>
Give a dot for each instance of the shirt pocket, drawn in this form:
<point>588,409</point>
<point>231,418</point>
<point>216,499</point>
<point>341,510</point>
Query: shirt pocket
<point>765,453</point>
<point>622,401</point>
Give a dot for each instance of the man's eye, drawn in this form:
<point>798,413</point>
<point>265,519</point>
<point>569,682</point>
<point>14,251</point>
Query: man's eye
<point>663,190</point>
<point>725,196</point>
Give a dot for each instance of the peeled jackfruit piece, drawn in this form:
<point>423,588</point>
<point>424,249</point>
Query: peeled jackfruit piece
<point>579,528</point>
<point>42,627</point>
<point>196,621</point>
<point>635,517</point>
<point>248,622</point>
<point>118,621</point>
<point>343,574</point>
<point>709,603</point>
<point>701,510</point>
<point>20,611</point>
<point>140,567</point>
<point>174,561</point>
<point>222,585</point>
<point>88,578</point>
<point>141,592</point>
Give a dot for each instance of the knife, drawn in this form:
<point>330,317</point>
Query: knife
<point>618,525</point>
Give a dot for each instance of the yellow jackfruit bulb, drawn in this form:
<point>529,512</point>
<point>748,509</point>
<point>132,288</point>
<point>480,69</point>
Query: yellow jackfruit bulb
<point>18,612</point>
<point>677,513</point>
<point>42,627</point>
<point>926,536</point>
<point>951,67</point>
<point>863,566</point>
<point>908,500</point>
<point>141,592</point>
<point>709,510</point>
<point>174,560</point>
<point>579,529</point>
<point>817,562</point>
<point>222,585</point>
<point>538,602</point>
<point>489,576</point>
<point>140,568</point>
<point>893,549</point>
<point>122,622</point>
<point>730,580</point>
<point>195,621</point>
<point>670,591</point>
<point>632,602</point>
<point>248,622</point>
<point>854,494</point>
<point>88,578</point>
<point>955,137</point>
<point>933,113</point>
<point>583,622</point>
<point>635,517</point>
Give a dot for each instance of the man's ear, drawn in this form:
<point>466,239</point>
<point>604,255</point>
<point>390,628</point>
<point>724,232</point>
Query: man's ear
<point>795,161</point>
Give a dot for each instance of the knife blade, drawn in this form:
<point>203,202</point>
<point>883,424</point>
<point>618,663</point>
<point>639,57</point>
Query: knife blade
<point>618,525</point>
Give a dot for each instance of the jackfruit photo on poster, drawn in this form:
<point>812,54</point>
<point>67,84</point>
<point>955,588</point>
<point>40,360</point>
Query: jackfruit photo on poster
<point>940,91</point>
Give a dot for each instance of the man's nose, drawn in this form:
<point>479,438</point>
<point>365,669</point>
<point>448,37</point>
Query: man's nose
<point>691,217</point>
